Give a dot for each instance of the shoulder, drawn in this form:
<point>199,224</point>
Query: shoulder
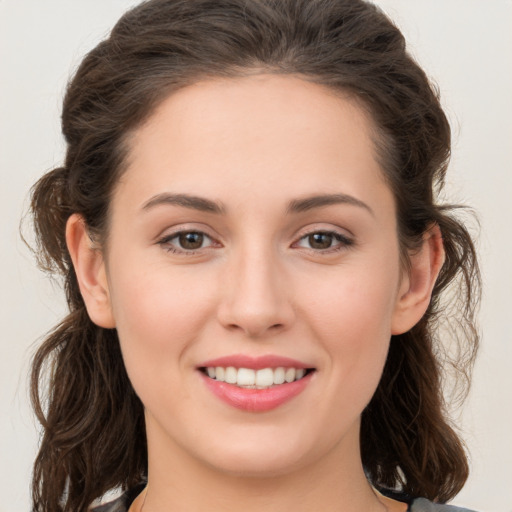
<point>121,504</point>
<point>421,504</point>
<point>424,505</point>
<point>118,505</point>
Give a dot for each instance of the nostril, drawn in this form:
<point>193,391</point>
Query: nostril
<point>254,315</point>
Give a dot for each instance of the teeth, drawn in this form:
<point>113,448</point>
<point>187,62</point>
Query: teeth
<point>289,375</point>
<point>231,375</point>
<point>279,374</point>
<point>265,377</point>
<point>219,373</point>
<point>246,377</point>
<point>258,379</point>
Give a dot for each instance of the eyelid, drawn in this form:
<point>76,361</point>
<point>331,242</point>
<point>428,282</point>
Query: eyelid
<point>186,227</point>
<point>345,240</point>
<point>168,235</point>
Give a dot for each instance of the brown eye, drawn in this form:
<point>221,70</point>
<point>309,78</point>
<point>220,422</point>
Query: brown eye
<point>191,240</point>
<point>187,242</point>
<point>325,241</point>
<point>320,240</point>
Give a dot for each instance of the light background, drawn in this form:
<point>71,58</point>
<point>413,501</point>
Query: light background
<point>466,45</point>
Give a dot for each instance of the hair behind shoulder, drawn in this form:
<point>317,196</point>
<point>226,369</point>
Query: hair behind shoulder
<point>93,423</point>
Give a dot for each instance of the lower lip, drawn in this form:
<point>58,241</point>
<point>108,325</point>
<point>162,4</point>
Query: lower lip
<point>256,400</point>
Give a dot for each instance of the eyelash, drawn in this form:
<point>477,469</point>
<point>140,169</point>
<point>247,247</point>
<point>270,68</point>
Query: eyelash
<point>344,242</point>
<point>166,242</point>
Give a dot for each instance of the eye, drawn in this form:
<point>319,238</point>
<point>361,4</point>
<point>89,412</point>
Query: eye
<point>186,241</point>
<point>324,241</point>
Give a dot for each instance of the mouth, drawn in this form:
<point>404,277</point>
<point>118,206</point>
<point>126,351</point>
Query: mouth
<point>256,384</point>
<point>249,378</point>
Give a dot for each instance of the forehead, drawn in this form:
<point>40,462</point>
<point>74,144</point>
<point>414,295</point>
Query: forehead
<point>250,133</point>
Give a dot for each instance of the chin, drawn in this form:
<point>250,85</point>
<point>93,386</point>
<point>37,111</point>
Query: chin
<point>258,455</point>
<point>257,466</point>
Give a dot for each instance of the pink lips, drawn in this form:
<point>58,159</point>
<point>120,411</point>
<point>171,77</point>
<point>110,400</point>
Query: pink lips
<point>255,363</point>
<point>255,400</point>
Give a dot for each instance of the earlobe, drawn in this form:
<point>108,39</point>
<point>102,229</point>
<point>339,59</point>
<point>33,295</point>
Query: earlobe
<point>90,271</point>
<point>416,288</point>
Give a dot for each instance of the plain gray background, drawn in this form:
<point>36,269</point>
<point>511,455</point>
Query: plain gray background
<point>465,45</point>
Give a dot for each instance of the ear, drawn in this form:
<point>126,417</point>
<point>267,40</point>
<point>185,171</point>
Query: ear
<point>416,287</point>
<point>90,271</point>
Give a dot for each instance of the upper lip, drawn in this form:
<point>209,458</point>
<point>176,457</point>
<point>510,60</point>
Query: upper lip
<point>255,363</point>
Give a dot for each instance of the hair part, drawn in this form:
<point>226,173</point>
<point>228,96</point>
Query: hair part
<point>93,422</point>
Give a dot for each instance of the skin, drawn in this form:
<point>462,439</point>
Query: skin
<point>256,286</point>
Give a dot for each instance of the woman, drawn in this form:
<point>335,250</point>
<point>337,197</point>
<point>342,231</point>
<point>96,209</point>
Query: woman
<point>254,261</point>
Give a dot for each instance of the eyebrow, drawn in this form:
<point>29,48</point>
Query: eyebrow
<point>186,201</point>
<point>295,206</point>
<point>318,201</point>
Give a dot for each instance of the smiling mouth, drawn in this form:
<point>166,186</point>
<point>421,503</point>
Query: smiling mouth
<point>248,378</point>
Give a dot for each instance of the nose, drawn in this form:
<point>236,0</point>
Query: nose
<point>255,297</point>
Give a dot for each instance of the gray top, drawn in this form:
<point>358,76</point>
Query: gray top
<point>122,504</point>
<point>423,505</point>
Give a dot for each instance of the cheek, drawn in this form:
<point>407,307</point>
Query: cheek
<point>358,337</point>
<point>353,301</point>
<point>351,314</point>
<point>158,313</point>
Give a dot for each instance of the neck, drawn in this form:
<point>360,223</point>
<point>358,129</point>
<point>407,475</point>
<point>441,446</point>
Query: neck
<point>333,483</point>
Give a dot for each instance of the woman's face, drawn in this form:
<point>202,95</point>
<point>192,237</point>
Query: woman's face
<point>253,229</point>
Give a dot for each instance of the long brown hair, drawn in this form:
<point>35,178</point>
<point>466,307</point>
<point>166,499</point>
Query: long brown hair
<point>93,425</point>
